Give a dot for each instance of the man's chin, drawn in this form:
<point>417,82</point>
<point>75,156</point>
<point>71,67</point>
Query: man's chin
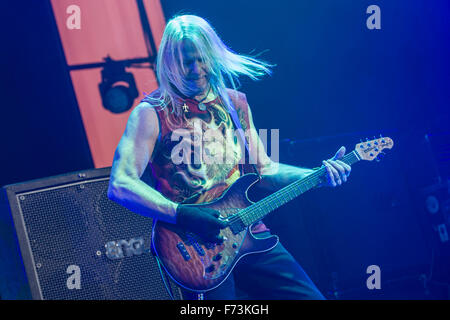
<point>197,90</point>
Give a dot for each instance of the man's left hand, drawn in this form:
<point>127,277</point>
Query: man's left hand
<point>337,170</point>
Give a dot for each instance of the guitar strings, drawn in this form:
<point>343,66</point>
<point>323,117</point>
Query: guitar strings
<point>284,193</point>
<point>247,213</point>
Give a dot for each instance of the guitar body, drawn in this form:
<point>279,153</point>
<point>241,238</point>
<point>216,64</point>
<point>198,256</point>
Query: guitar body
<point>199,266</point>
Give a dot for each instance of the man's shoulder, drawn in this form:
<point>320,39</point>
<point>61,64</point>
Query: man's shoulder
<point>153,99</point>
<point>147,107</point>
<point>235,93</point>
<point>239,99</point>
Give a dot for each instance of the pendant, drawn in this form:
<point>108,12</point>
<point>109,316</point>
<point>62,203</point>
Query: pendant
<point>185,108</point>
<point>201,107</point>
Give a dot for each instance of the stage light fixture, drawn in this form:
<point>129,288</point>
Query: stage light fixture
<point>118,87</point>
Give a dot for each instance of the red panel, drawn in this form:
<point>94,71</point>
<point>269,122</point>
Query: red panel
<point>107,27</point>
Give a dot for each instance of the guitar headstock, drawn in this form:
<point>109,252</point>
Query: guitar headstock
<point>372,149</point>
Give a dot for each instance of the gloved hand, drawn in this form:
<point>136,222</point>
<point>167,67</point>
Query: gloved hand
<point>203,222</point>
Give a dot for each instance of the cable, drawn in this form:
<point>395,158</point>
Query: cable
<point>168,289</point>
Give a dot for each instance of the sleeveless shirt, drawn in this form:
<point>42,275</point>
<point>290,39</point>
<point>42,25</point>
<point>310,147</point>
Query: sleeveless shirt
<point>197,153</point>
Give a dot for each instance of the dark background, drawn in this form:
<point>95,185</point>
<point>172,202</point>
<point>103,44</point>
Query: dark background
<point>334,83</point>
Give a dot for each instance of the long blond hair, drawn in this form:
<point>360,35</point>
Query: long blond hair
<point>224,66</point>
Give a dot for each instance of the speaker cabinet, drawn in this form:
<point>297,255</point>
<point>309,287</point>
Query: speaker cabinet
<point>62,238</point>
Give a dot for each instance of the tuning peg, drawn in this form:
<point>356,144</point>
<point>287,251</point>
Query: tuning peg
<point>380,156</point>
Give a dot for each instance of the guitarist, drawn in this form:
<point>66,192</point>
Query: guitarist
<point>193,65</point>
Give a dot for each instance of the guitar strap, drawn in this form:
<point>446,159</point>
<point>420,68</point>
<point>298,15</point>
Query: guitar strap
<point>241,135</point>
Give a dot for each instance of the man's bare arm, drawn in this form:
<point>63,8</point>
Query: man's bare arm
<point>130,160</point>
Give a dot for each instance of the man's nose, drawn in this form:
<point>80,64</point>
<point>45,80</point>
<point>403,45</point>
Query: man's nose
<point>196,67</point>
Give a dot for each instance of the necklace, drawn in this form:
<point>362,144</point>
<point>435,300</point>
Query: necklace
<point>201,106</point>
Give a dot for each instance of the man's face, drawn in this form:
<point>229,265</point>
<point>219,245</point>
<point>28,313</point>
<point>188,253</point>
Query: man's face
<point>196,73</point>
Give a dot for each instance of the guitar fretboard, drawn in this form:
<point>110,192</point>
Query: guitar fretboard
<point>260,209</point>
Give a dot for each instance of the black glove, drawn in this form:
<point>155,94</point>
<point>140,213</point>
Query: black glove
<point>203,222</point>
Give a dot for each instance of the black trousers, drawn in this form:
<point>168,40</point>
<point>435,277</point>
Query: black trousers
<point>271,275</point>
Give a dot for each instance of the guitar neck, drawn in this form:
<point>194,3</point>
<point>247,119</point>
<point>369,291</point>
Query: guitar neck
<point>260,209</point>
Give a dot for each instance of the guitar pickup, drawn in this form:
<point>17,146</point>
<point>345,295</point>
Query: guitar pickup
<point>189,239</point>
<point>183,251</point>
<point>198,248</point>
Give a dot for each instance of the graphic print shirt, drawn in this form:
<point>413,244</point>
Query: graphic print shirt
<point>197,153</point>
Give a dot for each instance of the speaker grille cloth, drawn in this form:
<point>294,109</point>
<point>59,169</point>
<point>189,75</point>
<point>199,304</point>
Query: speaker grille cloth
<point>70,225</point>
